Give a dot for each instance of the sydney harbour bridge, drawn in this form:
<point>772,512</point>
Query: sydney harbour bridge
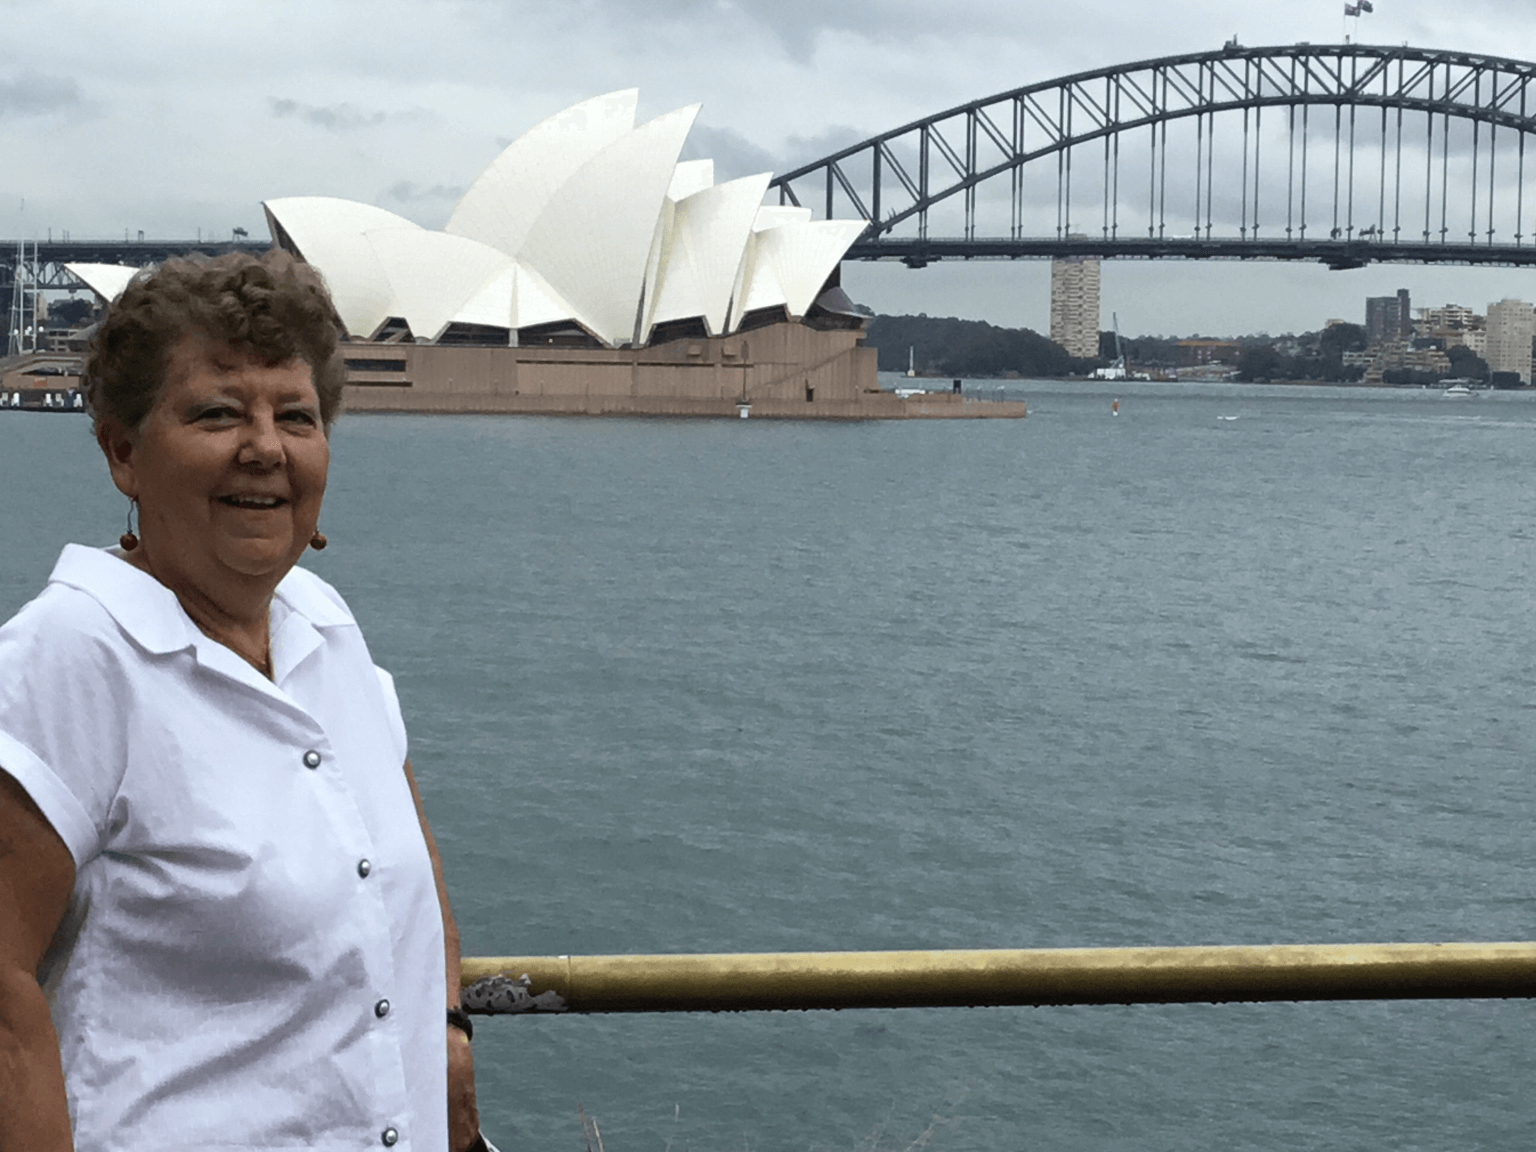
<point>1342,154</point>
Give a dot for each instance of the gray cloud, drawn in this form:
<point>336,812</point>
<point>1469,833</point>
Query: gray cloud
<point>800,150</point>
<point>38,95</point>
<point>408,193</point>
<point>334,118</point>
<point>734,155</point>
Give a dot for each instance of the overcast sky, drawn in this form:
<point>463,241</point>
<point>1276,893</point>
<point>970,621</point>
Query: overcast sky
<point>184,115</point>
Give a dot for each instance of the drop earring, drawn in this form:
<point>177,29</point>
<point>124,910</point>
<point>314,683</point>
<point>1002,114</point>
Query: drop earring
<point>128,541</point>
<point>318,541</point>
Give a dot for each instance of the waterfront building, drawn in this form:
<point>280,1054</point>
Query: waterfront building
<point>590,270</point>
<point>1454,325</point>
<point>1399,354</point>
<point>1446,318</point>
<point>1195,353</point>
<point>1511,328</point>
<point>587,229</point>
<point>1388,318</point>
<point>1075,305</point>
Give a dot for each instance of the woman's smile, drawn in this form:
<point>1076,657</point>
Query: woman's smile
<point>228,468</point>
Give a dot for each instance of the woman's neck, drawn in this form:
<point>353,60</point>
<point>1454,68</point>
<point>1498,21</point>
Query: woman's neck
<point>239,622</point>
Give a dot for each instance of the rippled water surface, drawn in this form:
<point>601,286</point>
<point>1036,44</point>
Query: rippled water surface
<point>1240,665</point>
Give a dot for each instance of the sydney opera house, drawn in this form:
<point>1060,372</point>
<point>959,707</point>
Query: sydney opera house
<point>589,270</point>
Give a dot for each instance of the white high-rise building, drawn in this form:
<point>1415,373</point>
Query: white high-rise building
<point>1449,317</point>
<point>1075,305</point>
<point>1511,328</point>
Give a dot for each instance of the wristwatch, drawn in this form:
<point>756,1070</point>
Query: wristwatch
<point>458,1018</point>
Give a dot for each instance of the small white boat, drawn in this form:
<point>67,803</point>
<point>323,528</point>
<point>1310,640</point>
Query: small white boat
<point>1459,392</point>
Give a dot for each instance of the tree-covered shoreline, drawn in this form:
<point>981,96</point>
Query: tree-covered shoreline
<point>975,349</point>
<point>948,346</point>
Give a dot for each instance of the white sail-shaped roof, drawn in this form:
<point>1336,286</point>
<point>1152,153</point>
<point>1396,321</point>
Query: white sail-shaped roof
<point>758,283</point>
<point>535,302</point>
<point>789,258</point>
<point>585,219</point>
<point>330,235</point>
<point>106,280</point>
<point>772,215</point>
<point>517,297</point>
<point>494,303</point>
<point>804,255</point>
<point>689,177</point>
<point>507,198</point>
<point>434,275</point>
<point>710,231</point>
<point>592,242</point>
<point>655,267</point>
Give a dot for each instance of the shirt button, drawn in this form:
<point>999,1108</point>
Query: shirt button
<point>363,868</point>
<point>381,1009</point>
<point>390,1137</point>
<point>311,759</point>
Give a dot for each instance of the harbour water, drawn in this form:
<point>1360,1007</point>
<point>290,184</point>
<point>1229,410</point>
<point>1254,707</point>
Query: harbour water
<point>1238,665</point>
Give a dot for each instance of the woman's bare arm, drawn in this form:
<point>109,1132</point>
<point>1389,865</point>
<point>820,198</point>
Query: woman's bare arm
<point>463,1117</point>
<point>36,876</point>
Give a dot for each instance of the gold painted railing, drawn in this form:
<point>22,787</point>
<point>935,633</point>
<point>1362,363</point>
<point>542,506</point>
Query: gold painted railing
<point>755,982</point>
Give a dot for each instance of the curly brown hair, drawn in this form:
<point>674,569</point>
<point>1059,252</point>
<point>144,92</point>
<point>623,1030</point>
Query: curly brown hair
<point>273,307</point>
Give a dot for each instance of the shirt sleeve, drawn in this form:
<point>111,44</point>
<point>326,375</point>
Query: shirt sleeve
<point>392,707</point>
<point>63,703</point>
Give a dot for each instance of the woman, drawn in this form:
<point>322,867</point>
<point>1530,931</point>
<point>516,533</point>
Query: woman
<point>222,917</point>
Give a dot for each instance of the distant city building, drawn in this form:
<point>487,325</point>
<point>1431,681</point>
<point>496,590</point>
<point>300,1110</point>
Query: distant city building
<point>1400,354</point>
<point>1193,353</point>
<point>1388,318</point>
<point>1511,327</point>
<point>1075,305</point>
<point>1454,325</point>
<point>1449,317</point>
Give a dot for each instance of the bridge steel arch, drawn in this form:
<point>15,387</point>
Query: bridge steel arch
<point>1403,121</point>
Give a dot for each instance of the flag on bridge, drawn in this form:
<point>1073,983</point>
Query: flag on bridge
<point>1356,9</point>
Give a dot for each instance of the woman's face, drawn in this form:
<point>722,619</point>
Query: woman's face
<point>228,468</point>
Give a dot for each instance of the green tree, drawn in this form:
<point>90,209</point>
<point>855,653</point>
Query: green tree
<point>1466,363</point>
<point>1259,362</point>
<point>1334,341</point>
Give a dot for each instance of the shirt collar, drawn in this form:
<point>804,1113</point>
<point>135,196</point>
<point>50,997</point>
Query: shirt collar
<point>149,612</point>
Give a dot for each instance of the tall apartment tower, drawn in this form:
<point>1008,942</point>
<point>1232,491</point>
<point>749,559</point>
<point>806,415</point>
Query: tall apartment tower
<point>1388,318</point>
<point>1511,327</point>
<point>1075,305</point>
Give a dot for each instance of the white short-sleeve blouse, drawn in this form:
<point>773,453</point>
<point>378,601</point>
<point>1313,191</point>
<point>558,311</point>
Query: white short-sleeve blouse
<point>252,957</point>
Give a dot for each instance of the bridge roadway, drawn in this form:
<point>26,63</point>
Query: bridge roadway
<point>50,256</point>
<point>918,252</point>
<point>915,252</point>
